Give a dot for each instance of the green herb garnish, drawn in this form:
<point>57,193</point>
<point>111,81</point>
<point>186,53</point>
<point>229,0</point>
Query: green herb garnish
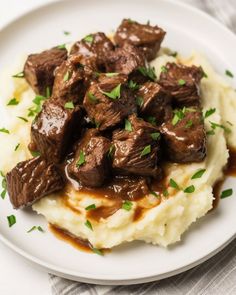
<point>155,194</point>
<point>13,102</point>
<point>189,124</point>
<point>35,154</point>
<point>33,228</point>
<point>16,147</point>
<point>11,220</point>
<point>146,151</point>
<point>215,125</point>
<point>165,193</point>
<point>128,126</point>
<point>69,105</point>
<point>90,207</point>
<point>181,82</point>
<point>198,174</point>
<point>81,160</point>
<point>66,33</point>
<point>115,93</point>
<point>163,69</point>
<point>4,130</point>
<point>228,73</point>
<point>4,185</point>
<point>19,75</point>
<point>209,112</point>
<point>127,205</point>
<point>48,92</point>
<point>66,76</point>
<point>111,74</point>
<point>92,97</point>
<point>174,184</point>
<point>97,251</point>
<point>226,193</point>
<point>139,101</point>
<point>155,135</point>
<point>151,120</point>
<point>133,85</point>
<point>190,189</point>
<point>88,38</point>
<point>23,119</point>
<point>88,224</point>
<point>62,46</point>
<point>178,116</point>
<point>148,72</point>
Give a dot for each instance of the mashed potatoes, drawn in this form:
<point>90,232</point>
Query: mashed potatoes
<point>163,221</point>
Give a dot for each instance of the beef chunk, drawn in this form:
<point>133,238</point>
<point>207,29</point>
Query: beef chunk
<point>53,130</point>
<point>71,80</point>
<point>94,45</point>
<point>107,112</point>
<point>39,69</point>
<point>126,60</point>
<point>185,139</point>
<point>154,102</point>
<point>137,151</point>
<point>91,165</point>
<point>182,83</point>
<point>147,38</point>
<point>31,180</point>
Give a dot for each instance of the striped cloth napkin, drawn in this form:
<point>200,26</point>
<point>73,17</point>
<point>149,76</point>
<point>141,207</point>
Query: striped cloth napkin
<point>217,276</point>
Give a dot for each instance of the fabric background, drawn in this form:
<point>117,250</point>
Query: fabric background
<point>217,276</point>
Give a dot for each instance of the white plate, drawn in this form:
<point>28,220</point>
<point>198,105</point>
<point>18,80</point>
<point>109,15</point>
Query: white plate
<point>187,29</point>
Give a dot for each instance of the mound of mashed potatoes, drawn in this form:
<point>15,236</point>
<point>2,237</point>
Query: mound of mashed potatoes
<point>162,221</point>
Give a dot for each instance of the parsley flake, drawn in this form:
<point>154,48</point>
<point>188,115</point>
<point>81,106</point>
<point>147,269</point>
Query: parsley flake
<point>66,33</point>
<point>16,147</point>
<point>148,72</point>
<point>81,160</point>
<point>228,73</point>
<point>174,184</point>
<point>151,120</point>
<point>4,130</point>
<point>62,46</point>
<point>4,185</point>
<point>181,82</point>
<point>13,102</point>
<point>226,193</point>
<point>115,92</point>
<point>189,124</point>
<point>146,151</point>
<point>111,74</point>
<point>33,228</point>
<point>88,38</point>
<point>209,112</point>
<point>88,224</point>
<point>11,220</point>
<point>23,119</point>
<point>66,76</point>
<point>92,97</point>
<point>155,135</point>
<point>19,75</point>
<point>128,126</point>
<point>133,85</point>
<point>90,207</point>
<point>97,251</point>
<point>139,101</point>
<point>69,105</point>
<point>127,205</point>
<point>163,69</point>
<point>35,154</point>
<point>155,194</point>
<point>198,174</point>
<point>215,125</point>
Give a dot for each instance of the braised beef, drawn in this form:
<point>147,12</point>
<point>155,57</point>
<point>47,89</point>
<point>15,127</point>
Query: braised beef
<point>39,69</point>
<point>54,129</point>
<point>146,37</point>
<point>154,102</point>
<point>182,83</point>
<point>71,80</point>
<point>184,136</point>
<point>136,149</point>
<point>126,60</point>
<point>96,46</point>
<point>107,112</point>
<point>91,164</point>
<point>31,180</point>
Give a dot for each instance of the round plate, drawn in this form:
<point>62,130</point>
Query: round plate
<point>187,29</point>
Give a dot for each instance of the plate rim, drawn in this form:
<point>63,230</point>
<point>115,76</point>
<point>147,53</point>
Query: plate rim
<point>104,278</point>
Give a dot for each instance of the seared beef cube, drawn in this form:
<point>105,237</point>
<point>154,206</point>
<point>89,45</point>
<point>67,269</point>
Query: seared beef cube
<point>184,136</point>
<point>182,83</point>
<point>126,60</point>
<point>71,80</point>
<point>39,69</point>
<point>147,38</point>
<point>109,101</point>
<point>94,45</point>
<point>31,180</point>
<point>91,164</point>
<point>136,148</point>
<point>54,128</point>
<point>154,102</point>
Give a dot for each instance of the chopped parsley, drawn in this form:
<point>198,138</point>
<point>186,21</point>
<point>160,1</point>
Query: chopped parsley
<point>178,116</point>
<point>210,132</point>
<point>35,154</point>
<point>114,94</point>
<point>151,120</point>
<point>165,193</point>
<point>69,105</point>
<point>215,125</point>
<point>13,102</point>
<point>190,189</point>
<point>155,194</point>
<point>62,46</point>
<point>48,92</point>
<point>11,220</point>
<point>189,124</point>
<point>228,73</point>
<point>155,135</point>
<point>198,174</point>
<point>174,54</point>
<point>4,130</point>
<point>128,126</point>
<point>111,74</point>
<point>181,82</point>
<point>146,151</point>
<point>226,193</point>
<point>4,185</point>
<point>88,38</point>
<point>33,228</point>
<point>229,123</point>
<point>127,205</point>
<point>139,101</point>
<point>90,207</point>
<point>23,119</point>
<point>38,101</point>
<point>66,76</point>
<point>81,160</point>
<point>19,75</point>
<point>209,112</point>
<point>163,69</point>
<point>133,85</point>
<point>88,224</point>
<point>148,72</point>
<point>16,147</point>
<point>92,97</point>
<point>66,33</point>
<point>97,251</point>
<point>174,184</point>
